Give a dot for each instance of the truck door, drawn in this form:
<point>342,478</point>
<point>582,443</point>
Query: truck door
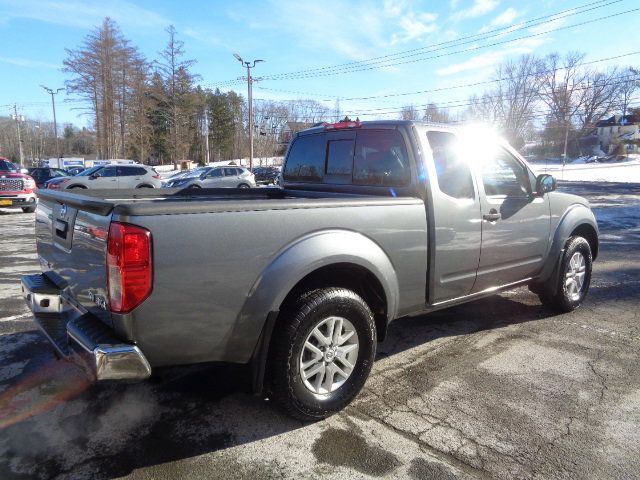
<point>515,223</point>
<point>455,214</point>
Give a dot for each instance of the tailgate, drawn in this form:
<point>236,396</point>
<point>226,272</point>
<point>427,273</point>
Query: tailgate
<point>72,246</point>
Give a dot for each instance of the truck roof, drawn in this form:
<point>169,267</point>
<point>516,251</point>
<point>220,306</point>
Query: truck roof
<point>354,125</point>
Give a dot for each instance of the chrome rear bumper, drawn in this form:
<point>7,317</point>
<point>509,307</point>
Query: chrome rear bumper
<point>81,337</point>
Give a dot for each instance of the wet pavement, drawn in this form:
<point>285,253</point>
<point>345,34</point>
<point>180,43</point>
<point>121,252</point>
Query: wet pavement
<point>501,387</point>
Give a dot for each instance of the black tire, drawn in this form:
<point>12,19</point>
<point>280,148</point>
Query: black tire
<point>144,186</point>
<point>295,325</point>
<point>564,298</point>
<point>194,186</point>
<point>28,209</point>
<point>75,187</point>
<point>244,185</point>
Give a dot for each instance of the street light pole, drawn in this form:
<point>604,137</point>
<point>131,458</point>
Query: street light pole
<point>55,123</point>
<point>249,66</point>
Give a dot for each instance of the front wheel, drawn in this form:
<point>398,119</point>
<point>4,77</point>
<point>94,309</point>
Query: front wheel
<point>575,277</point>
<point>323,351</point>
<point>28,209</point>
<point>243,185</point>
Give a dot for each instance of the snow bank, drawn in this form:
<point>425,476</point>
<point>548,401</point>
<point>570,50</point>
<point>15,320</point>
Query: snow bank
<point>627,172</point>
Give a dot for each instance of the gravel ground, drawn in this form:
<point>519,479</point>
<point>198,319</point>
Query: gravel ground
<point>497,388</point>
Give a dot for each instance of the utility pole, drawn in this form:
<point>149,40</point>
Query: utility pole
<point>55,124</point>
<point>566,140</point>
<point>17,119</point>
<point>206,136</point>
<point>250,94</point>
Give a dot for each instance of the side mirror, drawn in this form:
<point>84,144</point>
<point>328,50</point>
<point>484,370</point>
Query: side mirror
<point>545,183</point>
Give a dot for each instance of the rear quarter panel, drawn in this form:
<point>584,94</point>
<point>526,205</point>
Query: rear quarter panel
<point>206,265</point>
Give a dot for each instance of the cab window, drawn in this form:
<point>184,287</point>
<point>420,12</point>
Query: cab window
<point>503,175</point>
<point>306,159</point>
<point>381,159</point>
<point>452,170</point>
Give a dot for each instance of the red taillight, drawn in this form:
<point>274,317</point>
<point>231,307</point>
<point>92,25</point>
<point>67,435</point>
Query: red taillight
<point>157,177</point>
<point>340,125</point>
<point>129,266</point>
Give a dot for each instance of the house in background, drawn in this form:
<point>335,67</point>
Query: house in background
<point>619,129</point>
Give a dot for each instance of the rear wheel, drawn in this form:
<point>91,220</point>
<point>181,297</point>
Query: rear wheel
<point>194,186</point>
<point>144,186</point>
<point>322,353</point>
<point>243,185</point>
<point>575,277</point>
<point>76,187</point>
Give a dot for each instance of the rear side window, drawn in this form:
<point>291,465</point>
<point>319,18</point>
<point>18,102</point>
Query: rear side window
<point>340,157</point>
<point>131,171</point>
<point>381,159</point>
<point>453,171</point>
<point>107,172</point>
<point>230,172</point>
<point>305,162</point>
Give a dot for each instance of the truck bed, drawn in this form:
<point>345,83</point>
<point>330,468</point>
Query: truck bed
<point>183,201</point>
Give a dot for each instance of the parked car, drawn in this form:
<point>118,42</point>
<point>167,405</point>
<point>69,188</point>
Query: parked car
<point>109,176</point>
<point>16,189</point>
<point>42,174</point>
<point>266,175</point>
<point>75,170</point>
<point>168,182</point>
<point>374,221</point>
<point>216,177</point>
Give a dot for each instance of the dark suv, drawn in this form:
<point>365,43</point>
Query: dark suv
<point>42,174</point>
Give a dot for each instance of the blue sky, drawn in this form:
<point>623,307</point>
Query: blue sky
<point>295,36</point>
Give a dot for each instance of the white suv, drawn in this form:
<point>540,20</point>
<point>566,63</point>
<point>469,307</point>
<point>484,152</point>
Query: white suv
<point>216,177</point>
<point>110,176</point>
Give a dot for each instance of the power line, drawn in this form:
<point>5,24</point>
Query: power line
<point>466,50</point>
<point>369,64</point>
<point>465,102</point>
<point>381,61</point>
<point>330,98</point>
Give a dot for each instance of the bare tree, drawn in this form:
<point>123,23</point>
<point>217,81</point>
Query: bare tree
<point>177,77</point>
<point>435,114</point>
<point>630,84</point>
<point>562,82</point>
<point>101,70</point>
<point>409,112</point>
<point>596,98</point>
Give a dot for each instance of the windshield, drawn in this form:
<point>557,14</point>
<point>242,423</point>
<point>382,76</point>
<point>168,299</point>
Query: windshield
<point>91,171</point>
<point>59,173</point>
<point>6,165</point>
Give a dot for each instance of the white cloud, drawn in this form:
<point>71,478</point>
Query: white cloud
<point>356,30</point>
<point>25,62</point>
<point>478,9</point>
<point>77,13</point>
<point>414,26</point>
<point>505,18</point>
<point>490,59</point>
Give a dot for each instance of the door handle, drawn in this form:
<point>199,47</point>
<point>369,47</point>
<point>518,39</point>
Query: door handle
<point>492,216</point>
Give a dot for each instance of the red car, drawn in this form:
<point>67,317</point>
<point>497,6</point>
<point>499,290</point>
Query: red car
<point>16,189</point>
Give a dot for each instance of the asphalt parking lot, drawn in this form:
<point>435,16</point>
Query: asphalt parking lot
<point>498,388</point>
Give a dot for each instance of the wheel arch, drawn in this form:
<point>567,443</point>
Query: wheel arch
<point>327,258</point>
<point>576,220</point>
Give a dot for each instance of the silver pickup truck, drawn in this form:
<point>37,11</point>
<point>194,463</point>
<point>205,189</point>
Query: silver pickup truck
<point>374,221</point>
